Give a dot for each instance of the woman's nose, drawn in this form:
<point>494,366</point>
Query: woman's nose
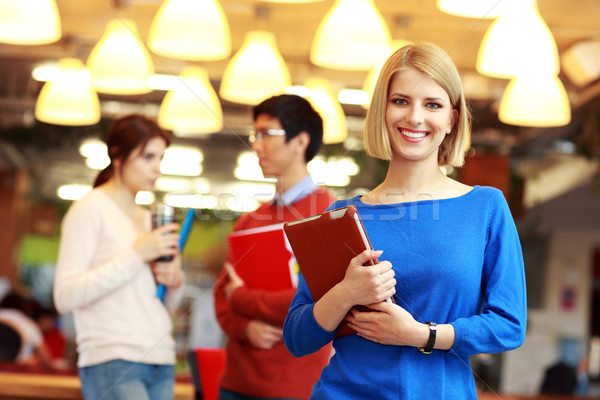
<point>414,116</point>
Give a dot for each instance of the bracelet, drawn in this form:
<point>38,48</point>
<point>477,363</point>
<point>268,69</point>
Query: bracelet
<point>431,342</point>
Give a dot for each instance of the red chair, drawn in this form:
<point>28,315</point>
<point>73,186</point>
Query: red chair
<point>211,365</point>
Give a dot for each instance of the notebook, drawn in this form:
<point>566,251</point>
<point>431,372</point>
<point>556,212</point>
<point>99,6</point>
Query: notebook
<point>323,245</point>
<point>262,257</point>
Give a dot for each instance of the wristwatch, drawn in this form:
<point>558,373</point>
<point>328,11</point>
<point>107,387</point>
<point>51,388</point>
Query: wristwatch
<point>431,342</point>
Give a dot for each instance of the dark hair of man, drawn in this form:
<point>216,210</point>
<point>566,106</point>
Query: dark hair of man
<point>14,301</point>
<point>125,135</point>
<point>296,115</point>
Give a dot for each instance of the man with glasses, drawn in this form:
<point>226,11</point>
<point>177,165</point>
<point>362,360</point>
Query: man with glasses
<point>287,134</point>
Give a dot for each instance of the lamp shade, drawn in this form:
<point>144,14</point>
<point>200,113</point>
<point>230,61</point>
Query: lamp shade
<point>472,8</point>
<point>193,108</point>
<point>537,100</point>
<point>70,99</point>
<point>291,1</point>
<point>581,62</point>
<point>119,62</point>
<point>322,98</point>
<point>256,71</point>
<point>518,41</point>
<point>195,30</point>
<point>29,22</point>
<point>352,36</point>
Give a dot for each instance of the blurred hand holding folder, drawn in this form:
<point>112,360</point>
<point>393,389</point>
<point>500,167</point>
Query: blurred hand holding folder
<point>262,257</point>
<point>323,245</point>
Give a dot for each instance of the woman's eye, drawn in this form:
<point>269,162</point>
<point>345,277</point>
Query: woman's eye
<point>435,106</point>
<point>400,102</point>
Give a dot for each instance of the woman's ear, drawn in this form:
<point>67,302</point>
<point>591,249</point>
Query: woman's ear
<point>453,119</point>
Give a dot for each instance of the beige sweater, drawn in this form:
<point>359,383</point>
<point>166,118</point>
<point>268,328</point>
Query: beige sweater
<point>109,289</point>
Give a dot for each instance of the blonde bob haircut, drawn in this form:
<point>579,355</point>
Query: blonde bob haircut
<point>432,61</point>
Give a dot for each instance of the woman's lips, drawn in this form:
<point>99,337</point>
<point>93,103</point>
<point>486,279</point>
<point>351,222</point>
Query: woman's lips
<point>413,136</point>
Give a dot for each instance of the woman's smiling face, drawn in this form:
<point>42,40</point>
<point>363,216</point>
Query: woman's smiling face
<point>418,116</point>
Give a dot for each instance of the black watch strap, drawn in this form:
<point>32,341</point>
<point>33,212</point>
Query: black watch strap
<point>431,342</point>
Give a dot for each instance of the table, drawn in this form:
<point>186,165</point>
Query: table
<point>499,396</point>
<point>21,386</point>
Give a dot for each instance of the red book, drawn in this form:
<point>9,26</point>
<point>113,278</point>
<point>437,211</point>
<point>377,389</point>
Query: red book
<point>262,257</point>
<point>323,245</point>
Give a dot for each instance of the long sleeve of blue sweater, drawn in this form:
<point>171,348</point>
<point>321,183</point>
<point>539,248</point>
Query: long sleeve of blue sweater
<point>457,261</point>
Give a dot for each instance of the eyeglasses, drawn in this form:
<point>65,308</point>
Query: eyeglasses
<point>262,135</point>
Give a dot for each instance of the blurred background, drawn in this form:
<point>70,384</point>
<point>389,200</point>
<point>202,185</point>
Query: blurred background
<point>530,70</point>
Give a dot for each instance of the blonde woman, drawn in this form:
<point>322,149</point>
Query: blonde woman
<point>448,253</point>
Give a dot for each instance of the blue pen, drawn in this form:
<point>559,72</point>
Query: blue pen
<point>186,227</point>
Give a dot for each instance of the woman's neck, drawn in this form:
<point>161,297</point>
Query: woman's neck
<point>122,196</point>
<point>408,181</point>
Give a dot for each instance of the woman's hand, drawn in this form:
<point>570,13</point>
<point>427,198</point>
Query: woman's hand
<point>169,273</point>
<point>387,324</point>
<point>162,241</point>
<point>364,285</point>
<point>361,285</point>
<point>235,281</point>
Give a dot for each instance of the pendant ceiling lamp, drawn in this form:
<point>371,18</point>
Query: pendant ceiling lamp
<point>518,41</point>
<point>325,102</point>
<point>256,71</point>
<point>192,108</point>
<point>69,99</point>
<point>352,36</point>
<point>195,30</point>
<point>535,100</point>
<point>119,62</point>
<point>581,62</point>
<point>472,8</point>
<point>29,22</point>
<point>291,1</point>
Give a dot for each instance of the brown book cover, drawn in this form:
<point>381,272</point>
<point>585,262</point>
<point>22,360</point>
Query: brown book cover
<point>323,245</point>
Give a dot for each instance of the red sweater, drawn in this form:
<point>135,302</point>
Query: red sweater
<point>274,372</point>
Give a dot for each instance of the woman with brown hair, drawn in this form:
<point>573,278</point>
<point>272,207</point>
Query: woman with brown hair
<point>107,277</point>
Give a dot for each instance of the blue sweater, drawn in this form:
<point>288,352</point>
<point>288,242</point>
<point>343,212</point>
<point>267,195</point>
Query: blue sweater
<point>456,261</point>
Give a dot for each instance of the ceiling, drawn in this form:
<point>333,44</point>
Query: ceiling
<point>294,25</point>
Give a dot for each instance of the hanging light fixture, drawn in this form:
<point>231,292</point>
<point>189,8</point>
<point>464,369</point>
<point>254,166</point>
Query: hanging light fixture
<point>292,1</point>
<point>70,99</point>
<point>519,40</point>
<point>538,100</point>
<point>190,30</point>
<point>472,8</point>
<point>29,22</point>
<point>119,62</point>
<point>352,36</point>
<point>193,107</point>
<point>580,62</point>
<point>256,71</point>
<point>322,98</point>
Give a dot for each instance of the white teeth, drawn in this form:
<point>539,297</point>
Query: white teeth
<point>413,135</point>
